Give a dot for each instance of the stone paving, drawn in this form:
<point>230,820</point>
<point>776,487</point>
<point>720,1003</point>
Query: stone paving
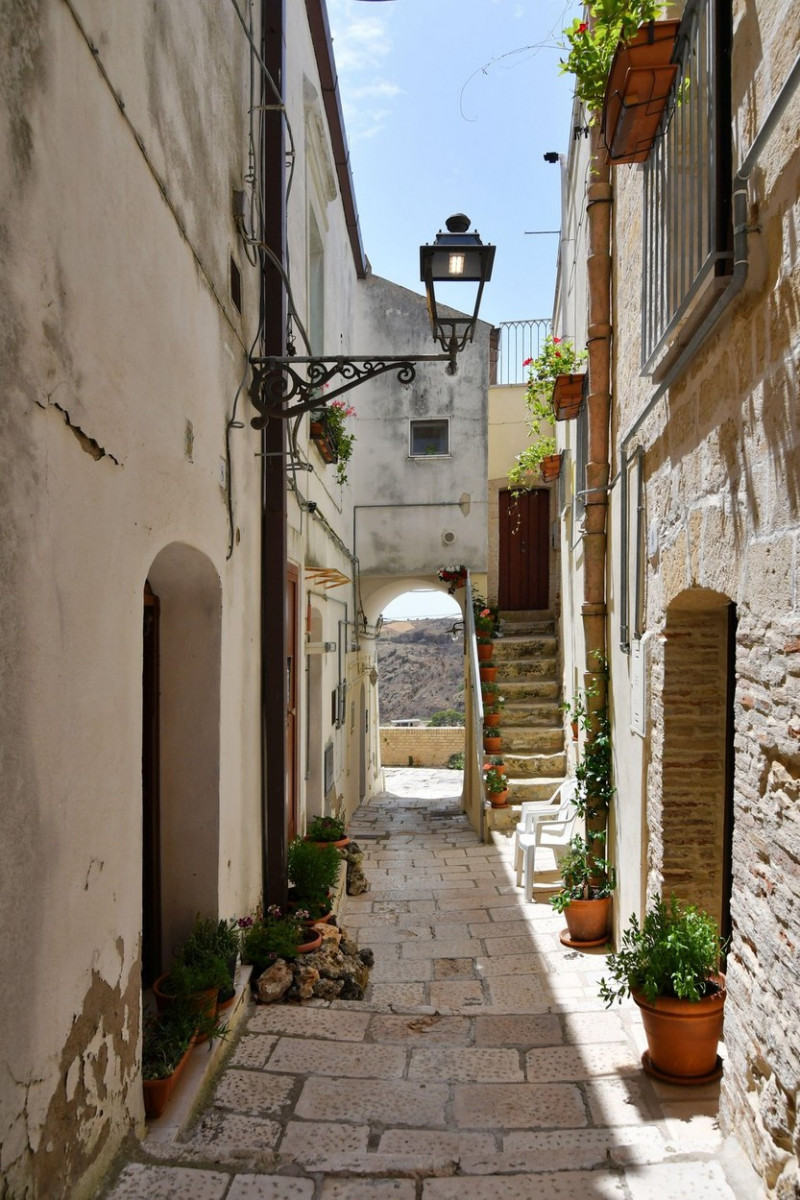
<point>480,1064</point>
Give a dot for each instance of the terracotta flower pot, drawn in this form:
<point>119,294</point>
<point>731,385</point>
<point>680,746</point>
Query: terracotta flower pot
<point>491,719</point>
<point>499,799</point>
<point>312,941</point>
<point>492,745</point>
<point>340,845</point>
<point>484,651</point>
<point>587,922</point>
<point>683,1035</point>
<point>567,397</point>
<point>158,1092</point>
<point>488,674</point>
<point>638,88</point>
<point>550,467</point>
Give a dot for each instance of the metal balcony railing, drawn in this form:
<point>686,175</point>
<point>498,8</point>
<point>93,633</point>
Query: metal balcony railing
<point>687,185</point>
<point>512,343</point>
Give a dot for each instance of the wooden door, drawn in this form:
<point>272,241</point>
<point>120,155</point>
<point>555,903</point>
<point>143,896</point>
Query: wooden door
<point>524,565</point>
<point>151,807</point>
<point>291,702</point>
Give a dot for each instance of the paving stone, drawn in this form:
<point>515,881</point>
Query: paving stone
<point>562,1149</point>
<point>678,1181</point>
<point>422,1030</point>
<point>306,1140</point>
<point>368,1189</point>
<point>138,1181</point>
<point>454,968</point>
<point>400,970</point>
<point>693,1125</point>
<point>421,1143</point>
<point>406,1102</point>
<point>270,1187</point>
<point>253,1092</point>
<point>252,1051</point>
<point>218,1129</point>
<point>454,994</point>
<point>518,1030</point>
<point>555,1064</point>
<point>308,1021</point>
<point>466,1064</point>
<point>570,1185</point>
<point>594,1027</point>
<point>513,964</point>
<point>442,948</point>
<point>621,1101</point>
<point>396,995</point>
<point>518,1105</point>
<point>516,993</point>
<point>302,1056</point>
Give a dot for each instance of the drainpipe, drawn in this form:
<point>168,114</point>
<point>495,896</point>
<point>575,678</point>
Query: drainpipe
<point>598,402</point>
<point>274,561</point>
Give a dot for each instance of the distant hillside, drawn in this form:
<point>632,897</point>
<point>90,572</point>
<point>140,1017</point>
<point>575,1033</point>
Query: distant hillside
<point>421,669</point>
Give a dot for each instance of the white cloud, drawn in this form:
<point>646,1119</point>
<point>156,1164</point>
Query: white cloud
<point>361,44</point>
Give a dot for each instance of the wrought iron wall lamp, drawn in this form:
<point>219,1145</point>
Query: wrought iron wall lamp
<point>287,387</point>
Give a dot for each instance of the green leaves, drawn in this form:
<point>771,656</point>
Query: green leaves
<point>672,953</point>
<point>590,46</point>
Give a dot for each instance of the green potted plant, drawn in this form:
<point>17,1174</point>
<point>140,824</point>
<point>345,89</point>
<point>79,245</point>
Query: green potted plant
<point>492,710</point>
<point>669,964</point>
<point>167,1040</point>
<point>313,871</point>
<point>210,940</point>
<point>496,786</point>
<point>588,881</point>
<point>332,436</point>
<point>325,830</point>
<point>492,738</point>
<point>197,973</point>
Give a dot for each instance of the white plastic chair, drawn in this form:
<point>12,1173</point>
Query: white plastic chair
<point>548,823</point>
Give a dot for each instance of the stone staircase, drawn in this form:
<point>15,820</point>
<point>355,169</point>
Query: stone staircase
<point>533,731</point>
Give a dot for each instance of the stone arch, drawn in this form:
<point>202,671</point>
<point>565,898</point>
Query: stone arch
<point>696,809</point>
<point>189,597</point>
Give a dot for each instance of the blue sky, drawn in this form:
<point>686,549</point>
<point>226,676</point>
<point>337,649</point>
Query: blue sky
<point>449,107</point>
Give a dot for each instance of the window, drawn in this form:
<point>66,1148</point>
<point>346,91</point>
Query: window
<point>429,438</point>
<point>687,190</point>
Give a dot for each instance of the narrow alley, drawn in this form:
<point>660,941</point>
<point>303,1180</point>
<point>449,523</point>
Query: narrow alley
<point>481,1063</point>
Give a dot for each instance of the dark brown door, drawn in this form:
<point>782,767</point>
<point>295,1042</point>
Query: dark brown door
<point>291,703</point>
<point>151,822</point>
<point>524,567</point>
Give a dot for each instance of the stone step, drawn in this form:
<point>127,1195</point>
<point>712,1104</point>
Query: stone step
<point>524,647</point>
<point>524,765</point>
<point>519,739</point>
<point>539,715</point>
<point>520,691</point>
<point>526,668</point>
<point>536,788</point>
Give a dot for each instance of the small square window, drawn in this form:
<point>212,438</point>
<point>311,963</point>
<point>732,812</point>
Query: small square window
<point>429,438</point>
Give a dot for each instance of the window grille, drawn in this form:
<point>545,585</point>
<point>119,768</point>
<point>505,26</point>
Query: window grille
<point>687,189</point>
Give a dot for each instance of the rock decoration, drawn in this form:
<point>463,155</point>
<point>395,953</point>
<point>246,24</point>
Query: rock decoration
<point>338,970</point>
<point>357,881</point>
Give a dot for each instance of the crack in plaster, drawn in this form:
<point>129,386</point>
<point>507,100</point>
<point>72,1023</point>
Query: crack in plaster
<point>87,443</point>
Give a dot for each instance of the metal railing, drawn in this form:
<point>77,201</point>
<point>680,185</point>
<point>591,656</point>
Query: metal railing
<point>687,183</point>
<point>516,341</point>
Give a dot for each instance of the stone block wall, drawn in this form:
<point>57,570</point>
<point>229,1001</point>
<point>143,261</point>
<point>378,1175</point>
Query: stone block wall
<point>428,747</point>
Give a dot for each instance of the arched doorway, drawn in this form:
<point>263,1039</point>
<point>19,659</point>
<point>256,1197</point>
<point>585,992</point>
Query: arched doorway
<point>180,749</point>
<point>698,752</point>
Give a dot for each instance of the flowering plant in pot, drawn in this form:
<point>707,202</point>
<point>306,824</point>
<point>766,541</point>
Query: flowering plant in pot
<point>590,46</point>
<point>558,357</point>
<point>669,964</point>
<point>273,934</point>
<point>454,577</point>
<point>496,786</point>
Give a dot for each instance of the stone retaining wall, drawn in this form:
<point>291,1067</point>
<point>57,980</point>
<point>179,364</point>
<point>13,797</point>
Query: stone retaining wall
<point>428,747</point>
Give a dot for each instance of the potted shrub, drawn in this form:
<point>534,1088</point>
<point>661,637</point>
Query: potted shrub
<point>167,1040</point>
<point>313,871</point>
<point>492,711</point>
<point>496,786</point>
<point>327,831</point>
<point>585,897</point>
<point>669,964</point>
<point>488,671</point>
<point>212,940</point>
